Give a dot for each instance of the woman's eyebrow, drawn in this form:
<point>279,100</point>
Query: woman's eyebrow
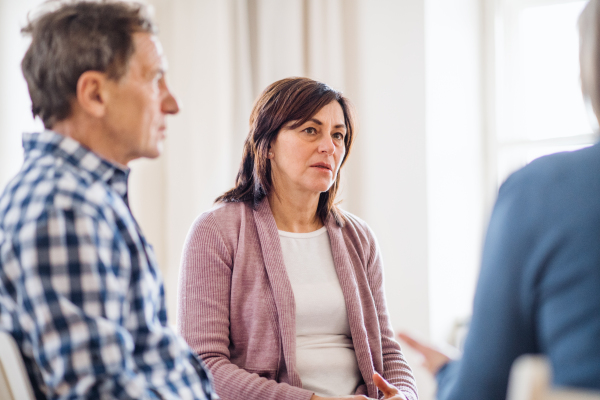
<point>338,126</point>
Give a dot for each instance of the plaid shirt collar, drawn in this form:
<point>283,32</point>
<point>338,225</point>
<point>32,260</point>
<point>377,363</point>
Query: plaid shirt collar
<point>92,166</point>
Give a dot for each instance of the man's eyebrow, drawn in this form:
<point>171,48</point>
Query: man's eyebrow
<point>153,70</point>
<point>156,72</point>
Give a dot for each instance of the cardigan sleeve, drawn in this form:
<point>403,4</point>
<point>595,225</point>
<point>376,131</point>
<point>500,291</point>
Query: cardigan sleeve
<point>203,316</point>
<point>395,368</point>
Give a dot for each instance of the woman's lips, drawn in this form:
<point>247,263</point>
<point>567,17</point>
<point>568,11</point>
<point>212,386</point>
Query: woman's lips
<point>323,166</point>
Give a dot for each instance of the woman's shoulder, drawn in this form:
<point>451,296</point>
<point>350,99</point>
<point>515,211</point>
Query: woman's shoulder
<point>355,227</point>
<point>227,210</point>
<point>224,217</point>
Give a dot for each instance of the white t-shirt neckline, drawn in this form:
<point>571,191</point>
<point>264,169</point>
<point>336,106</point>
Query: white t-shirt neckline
<point>303,235</point>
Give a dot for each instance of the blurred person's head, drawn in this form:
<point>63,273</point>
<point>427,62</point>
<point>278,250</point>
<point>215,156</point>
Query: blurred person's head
<point>589,54</point>
<point>301,132</point>
<point>98,65</point>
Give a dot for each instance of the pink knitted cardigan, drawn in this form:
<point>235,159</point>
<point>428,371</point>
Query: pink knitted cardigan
<point>236,306</point>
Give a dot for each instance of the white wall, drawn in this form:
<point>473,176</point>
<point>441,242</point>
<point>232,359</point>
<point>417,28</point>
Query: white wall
<point>455,167</point>
<point>15,106</point>
<point>392,110</point>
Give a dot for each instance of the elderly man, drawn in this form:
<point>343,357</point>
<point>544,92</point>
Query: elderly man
<point>80,290</point>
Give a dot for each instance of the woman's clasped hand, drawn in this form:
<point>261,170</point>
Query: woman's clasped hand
<point>390,392</point>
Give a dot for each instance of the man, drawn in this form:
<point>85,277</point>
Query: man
<point>539,287</point>
<point>80,290</point>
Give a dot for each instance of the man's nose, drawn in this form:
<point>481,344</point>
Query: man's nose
<point>169,104</point>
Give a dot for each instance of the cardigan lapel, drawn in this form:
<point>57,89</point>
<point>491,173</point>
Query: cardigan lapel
<point>348,282</point>
<point>280,285</point>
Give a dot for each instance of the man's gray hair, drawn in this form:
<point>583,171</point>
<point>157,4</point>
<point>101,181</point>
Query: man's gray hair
<point>589,53</point>
<point>75,37</point>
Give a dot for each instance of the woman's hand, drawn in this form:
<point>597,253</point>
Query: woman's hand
<point>433,358</point>
<point>361,397</point>
<point>390,392</point>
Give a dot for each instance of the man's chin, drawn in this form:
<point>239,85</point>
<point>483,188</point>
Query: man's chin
<point>156,151</point>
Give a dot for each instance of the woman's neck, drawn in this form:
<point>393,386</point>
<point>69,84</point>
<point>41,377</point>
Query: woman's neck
<point>295,213</point>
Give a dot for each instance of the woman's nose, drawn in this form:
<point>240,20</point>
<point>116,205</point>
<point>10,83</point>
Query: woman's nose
<point>326,145</point>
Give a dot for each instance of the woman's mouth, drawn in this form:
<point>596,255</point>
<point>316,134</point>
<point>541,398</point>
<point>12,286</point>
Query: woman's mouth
<point>323,166</point>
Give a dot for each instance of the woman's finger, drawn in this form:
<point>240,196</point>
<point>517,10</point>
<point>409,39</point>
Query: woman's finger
<point>385,387</point>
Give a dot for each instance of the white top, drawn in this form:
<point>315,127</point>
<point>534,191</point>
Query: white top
<point>325,357</point>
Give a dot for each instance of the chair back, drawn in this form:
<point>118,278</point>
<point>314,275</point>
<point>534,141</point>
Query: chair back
<point>14,381</point>
<point>530,379</point>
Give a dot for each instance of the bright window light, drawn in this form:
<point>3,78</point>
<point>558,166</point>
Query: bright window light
<point>548,99</point>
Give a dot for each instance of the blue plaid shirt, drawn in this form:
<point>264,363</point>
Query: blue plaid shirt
<point>80,290</point>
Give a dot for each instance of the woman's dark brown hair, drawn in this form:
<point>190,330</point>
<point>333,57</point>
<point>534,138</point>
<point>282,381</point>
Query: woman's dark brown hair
<point>288,100</point>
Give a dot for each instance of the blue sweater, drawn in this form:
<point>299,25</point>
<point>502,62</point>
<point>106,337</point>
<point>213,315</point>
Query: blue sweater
<point>539,286</point>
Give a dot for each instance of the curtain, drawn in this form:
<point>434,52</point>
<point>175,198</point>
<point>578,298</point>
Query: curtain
<point>222,54</point>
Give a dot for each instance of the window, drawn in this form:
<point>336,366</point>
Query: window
<point>538,109</point>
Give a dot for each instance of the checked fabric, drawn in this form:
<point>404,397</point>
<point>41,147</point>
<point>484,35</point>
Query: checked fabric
<point>80,289</point>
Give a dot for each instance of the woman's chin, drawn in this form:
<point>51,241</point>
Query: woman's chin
<point>321,188</point>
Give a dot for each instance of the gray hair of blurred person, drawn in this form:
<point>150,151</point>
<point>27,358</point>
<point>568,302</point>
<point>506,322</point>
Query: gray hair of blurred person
<point>75,37</point>
<point>589,55</point>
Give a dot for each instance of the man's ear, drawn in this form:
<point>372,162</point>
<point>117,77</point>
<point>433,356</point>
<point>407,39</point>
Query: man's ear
<point>92,93</point>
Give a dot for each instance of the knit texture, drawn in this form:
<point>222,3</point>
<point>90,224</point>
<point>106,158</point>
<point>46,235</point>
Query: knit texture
<point>236,306</point>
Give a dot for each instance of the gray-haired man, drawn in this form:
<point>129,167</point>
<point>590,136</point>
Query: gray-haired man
<point>80,290</point>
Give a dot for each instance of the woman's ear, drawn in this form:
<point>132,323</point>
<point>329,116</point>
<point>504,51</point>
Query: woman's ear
<point>92,93</point>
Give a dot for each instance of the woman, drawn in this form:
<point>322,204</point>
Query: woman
<point>281,292</point>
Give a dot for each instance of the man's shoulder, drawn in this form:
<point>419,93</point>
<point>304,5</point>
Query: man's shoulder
<point>570,168</point>
<point>45,184</point>
<point>553,197</point>
<point>555,179</point>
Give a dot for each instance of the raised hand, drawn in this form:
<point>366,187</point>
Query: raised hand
<point>433,359</point>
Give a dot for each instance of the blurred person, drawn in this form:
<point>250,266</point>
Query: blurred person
<point>539,286</point>
<point>280,291</point>
<point>80,290</point>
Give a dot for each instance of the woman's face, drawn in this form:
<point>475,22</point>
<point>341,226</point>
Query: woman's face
<point>308,158</point>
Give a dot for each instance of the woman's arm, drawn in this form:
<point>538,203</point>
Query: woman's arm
<point>395,367</point>
<point>203,316</point>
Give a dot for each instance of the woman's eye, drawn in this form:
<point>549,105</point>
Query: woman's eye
<point>339,136</point>
<point>310,130</point>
